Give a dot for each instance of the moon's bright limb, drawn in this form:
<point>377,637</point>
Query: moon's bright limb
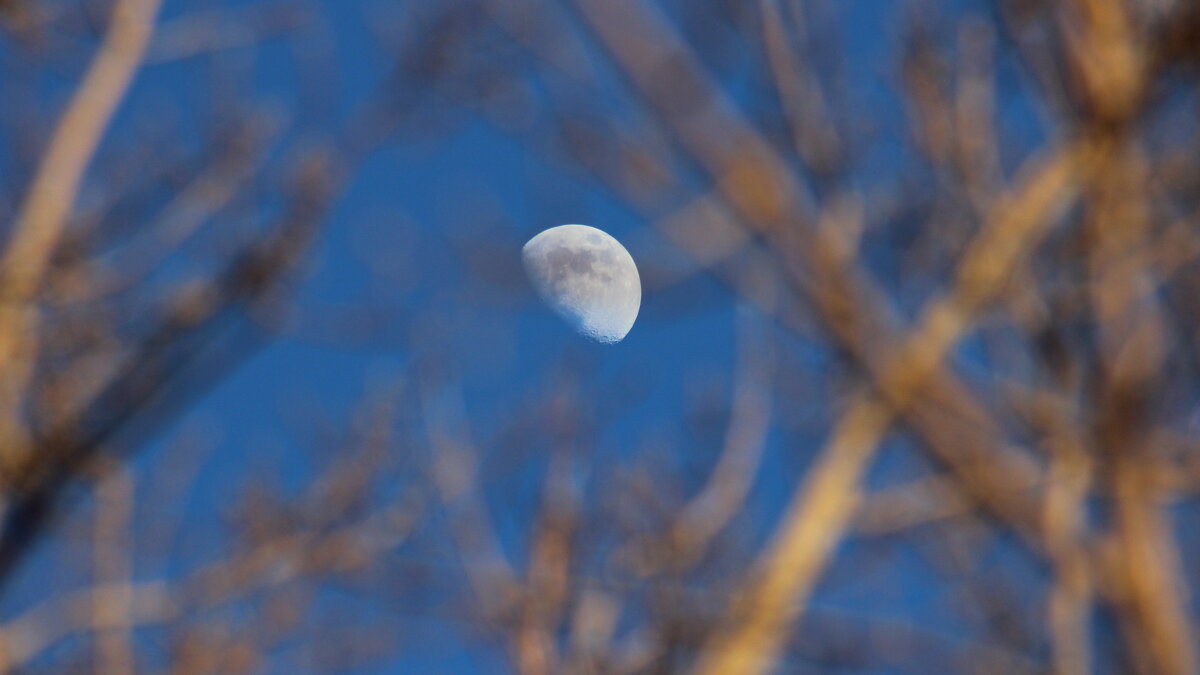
<point>587,277</point>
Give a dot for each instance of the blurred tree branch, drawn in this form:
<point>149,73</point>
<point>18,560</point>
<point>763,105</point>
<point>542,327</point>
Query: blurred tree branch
<point>983,270</point>
<point>49,201</point>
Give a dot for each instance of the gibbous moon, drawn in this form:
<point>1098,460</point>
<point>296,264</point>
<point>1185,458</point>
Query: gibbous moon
<point>587,277</point>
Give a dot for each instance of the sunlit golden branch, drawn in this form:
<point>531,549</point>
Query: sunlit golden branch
<point>50,199</point>
<point>822,507</point>
<point>760,189</point>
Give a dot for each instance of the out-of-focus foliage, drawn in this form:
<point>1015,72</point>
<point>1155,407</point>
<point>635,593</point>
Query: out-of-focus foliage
<point>913,389</point>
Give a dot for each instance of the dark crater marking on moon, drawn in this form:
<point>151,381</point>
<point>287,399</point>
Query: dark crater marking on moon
<point>563,264</point>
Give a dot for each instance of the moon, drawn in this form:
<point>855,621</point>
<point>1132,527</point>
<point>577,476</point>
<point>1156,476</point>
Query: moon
<point>587,278</point>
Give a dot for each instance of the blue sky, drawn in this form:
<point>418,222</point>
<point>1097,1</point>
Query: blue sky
<point>394,245</point>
